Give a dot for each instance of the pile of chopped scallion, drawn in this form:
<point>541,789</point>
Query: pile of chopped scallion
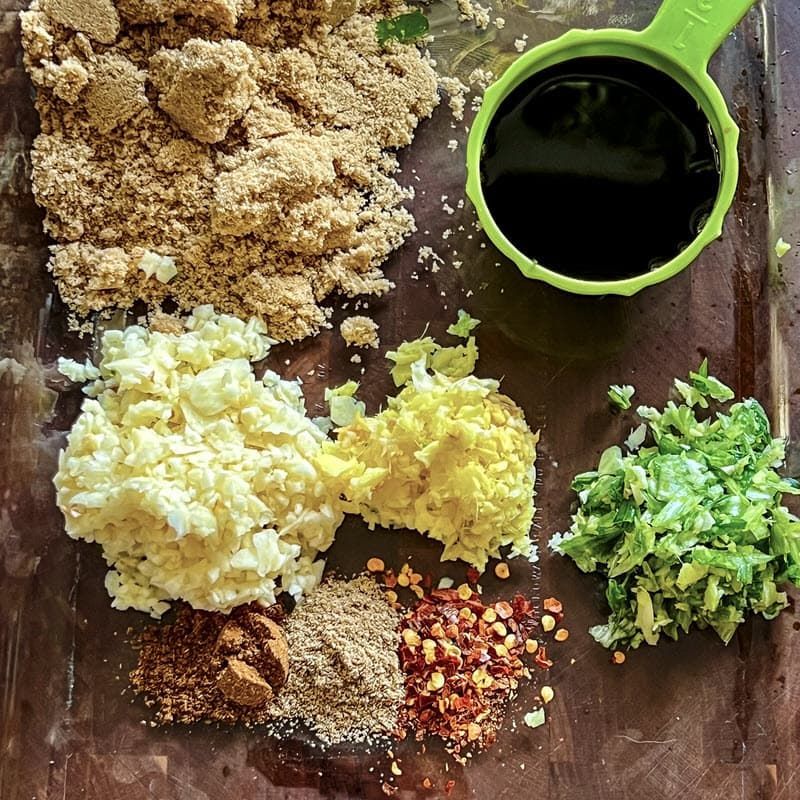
<point>688,526</point>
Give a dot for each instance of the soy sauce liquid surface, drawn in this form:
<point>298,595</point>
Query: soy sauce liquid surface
<point>600,168</point>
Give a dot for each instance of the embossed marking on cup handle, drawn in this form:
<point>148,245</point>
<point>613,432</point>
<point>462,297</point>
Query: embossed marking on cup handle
<point>694,17</point>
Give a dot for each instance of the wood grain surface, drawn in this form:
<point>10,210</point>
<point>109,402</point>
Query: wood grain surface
<point>691,719</point>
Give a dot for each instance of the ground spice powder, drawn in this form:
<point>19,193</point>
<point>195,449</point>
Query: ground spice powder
<point>344,680</point>
<point>209,666</point>
<point>249,141</point>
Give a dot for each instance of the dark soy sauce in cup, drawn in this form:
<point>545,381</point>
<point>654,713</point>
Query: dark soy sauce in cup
<point>600,168</point>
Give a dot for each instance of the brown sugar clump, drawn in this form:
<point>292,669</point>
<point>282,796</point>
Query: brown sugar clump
<point>208,666</point>
<point>67,79</point>
<point>260,182</point>
<point>248,141</point>
<point>116,92</point>
<point>360,331</point>
<point>205,86</point>
<point>223,13</point>
<point>95,18</point>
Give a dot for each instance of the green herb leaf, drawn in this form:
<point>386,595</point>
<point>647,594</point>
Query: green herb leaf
<point>621,395</point>
<point>464,325</point>
<point>692,530</point>
<point>534,719</point>
<point>404,28</point>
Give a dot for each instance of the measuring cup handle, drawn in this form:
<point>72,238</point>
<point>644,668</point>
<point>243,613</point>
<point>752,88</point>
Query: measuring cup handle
<point>691,31</point>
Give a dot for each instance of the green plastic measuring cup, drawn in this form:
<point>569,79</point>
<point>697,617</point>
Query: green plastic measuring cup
<point>680,42</point>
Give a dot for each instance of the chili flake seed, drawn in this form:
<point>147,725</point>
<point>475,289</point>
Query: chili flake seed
<point>436,682</point>
<point>552,605</point>
<point>403,580</point>
<point>428,644</point>
<point>510,641</point>
<point>396,769</point>
<point>561,635</point>
<point>502,571</point>
<point>451,651</point>
<point>415,578</point>
<point>618,657</point>
<point>427,783</point>
<point>376,565</point>
<point>548,623</point>
<point>499,629</point>
<point>464,592</point>
<point>504,610</point>
<point>547,694</point>
<point>411,637</point>
<point>490,615</point>
<point>391,596</point>
<point>417,591</point>
<point>481,678</point>
<point>531,646</point>
<point>473,731</point>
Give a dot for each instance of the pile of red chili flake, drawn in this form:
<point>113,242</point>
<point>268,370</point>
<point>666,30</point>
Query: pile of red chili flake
<point>462,661</point>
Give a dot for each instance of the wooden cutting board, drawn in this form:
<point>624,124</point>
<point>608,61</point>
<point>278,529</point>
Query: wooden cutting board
<point>692,719</point>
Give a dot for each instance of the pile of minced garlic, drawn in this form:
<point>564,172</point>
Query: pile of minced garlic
<point>234,153</point>
<point>197,479</point>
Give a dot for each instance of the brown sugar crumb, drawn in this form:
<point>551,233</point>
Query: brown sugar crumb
<point>95,18</point>
<point>208,666</point>
<point>165,323</point>
<point>249,142</point>
<point>360,331</point>
<point>205,86</point>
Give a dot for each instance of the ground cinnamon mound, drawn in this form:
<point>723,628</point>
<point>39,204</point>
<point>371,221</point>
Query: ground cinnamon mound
<point>208,666</point>
<point>248,140</point>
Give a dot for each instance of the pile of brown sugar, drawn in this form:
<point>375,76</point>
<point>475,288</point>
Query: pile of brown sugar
<point>208,666</point>
<point>234,152</point>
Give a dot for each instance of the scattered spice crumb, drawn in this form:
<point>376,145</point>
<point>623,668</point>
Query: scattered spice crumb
<point>470,11</point>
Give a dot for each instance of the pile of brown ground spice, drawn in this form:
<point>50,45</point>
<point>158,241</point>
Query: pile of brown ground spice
<point>209,666</point>
<point>244,143</point>
<point>345,680</point>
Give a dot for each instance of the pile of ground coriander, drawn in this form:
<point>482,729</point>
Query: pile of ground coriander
<point>227,152</point>
<point>345,680</point>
